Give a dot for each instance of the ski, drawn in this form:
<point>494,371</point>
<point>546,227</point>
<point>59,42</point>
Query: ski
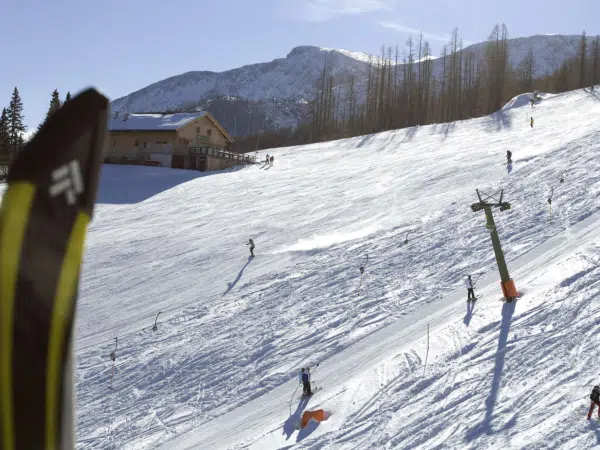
<point>314,391</point>
<point>44,215</point>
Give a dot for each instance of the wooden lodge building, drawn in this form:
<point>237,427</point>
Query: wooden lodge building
<point>179,140</point>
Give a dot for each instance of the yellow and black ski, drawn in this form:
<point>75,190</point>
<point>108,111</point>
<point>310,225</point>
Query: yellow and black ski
<point>44,215</point>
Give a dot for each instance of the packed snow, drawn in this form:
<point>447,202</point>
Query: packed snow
<point>221,369</point>
<point>128,122</point>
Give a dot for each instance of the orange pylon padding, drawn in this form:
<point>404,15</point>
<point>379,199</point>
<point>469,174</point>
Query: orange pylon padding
<point>319,415</point>
<point>508,289</point>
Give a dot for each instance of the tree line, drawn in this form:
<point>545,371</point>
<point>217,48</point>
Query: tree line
<point>12,127</point>
<point>408,88</point>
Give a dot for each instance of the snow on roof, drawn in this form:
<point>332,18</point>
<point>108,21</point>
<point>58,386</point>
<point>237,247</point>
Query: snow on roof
<point>127,122</point>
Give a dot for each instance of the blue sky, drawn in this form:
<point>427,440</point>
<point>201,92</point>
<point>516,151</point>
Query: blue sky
<point>122,46</point>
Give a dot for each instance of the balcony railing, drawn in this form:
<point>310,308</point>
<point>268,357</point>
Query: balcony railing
<point>240,158</point>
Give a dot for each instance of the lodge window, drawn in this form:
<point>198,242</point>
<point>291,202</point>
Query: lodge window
<point>209,132</point>
<point>197,130</point>
<point>145,145</point>
<point>136,143</point>
<point>114,143</point>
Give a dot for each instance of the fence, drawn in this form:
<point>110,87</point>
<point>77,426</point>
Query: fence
<point>6,159</point>
<point>240,158</point>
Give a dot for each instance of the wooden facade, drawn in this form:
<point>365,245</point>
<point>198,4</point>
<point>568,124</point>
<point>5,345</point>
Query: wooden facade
<point>182,140</point>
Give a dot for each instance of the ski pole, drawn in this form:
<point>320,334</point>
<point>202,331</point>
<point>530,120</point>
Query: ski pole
<point>362,271</point>
<point>315,369</point>
<point>155,327</point>
<point>550,203</point>
<point>113,356</point>
<point>292,398</point>
<point>313,372</point>
<point>360,282</point>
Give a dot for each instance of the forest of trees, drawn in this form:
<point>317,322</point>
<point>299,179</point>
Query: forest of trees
<point>402,89</point>
<point>12,128</point>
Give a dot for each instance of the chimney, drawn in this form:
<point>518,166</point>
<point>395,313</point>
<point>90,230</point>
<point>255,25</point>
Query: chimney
<point>125,116</point>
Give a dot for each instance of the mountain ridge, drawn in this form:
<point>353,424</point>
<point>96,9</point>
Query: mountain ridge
<point>270,95</point>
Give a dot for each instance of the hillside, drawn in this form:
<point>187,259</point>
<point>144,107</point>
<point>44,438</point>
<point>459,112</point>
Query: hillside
<point>221,370</point>
<point>273,95</point>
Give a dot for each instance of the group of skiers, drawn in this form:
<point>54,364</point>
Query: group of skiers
<point>269,160</point>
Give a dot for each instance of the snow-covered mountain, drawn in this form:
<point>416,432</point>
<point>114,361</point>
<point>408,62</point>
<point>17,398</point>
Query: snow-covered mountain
<point>272,95</point>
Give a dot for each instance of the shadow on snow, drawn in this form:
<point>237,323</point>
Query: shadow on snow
<point>121,185</point>
<point>239,276</point>
<point>486,426</point>
<point>290,425</point>
<point>498,120</point>
<point>469,314</point>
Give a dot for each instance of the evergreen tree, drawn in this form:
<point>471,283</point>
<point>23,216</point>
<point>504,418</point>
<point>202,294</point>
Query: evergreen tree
<point>4,135</point>
<point>16,128</point>
<point>54,105</point>
<point>68,97</point>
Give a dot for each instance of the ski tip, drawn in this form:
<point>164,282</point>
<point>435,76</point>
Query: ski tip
<point>72,136</point>
<point>81,112</point>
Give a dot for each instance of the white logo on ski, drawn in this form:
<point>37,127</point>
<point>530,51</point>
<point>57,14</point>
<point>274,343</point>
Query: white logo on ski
<point>67,180</point>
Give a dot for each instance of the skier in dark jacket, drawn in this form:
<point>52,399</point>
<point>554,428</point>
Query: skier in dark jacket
<point>595,398</point>
<point>508,157</point>
<point>272,158</point>
<point>531,122</point>
<point>470,286</point>
<point>306,381</point>
<point>251,244</point>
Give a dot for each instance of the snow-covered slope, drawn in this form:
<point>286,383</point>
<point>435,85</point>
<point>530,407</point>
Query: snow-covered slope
<point>279,89</point>
<point>221,369</point>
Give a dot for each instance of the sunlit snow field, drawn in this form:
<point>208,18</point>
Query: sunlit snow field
<point>234,329</point>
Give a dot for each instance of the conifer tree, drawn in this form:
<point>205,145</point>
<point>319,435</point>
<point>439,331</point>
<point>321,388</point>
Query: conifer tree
<point>54,105</point>
<point>4,135</point>
<point>68,97</point>
<point>16,128</point>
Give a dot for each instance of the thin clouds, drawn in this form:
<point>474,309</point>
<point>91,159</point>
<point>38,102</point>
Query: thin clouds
<point>430,36</point>
<point>323,10</point>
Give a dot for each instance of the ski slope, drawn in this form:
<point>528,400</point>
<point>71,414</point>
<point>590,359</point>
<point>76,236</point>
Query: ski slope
<point>221,369</point>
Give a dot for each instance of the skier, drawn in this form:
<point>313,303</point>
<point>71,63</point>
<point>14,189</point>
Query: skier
<point>272,158</point>
<point>267,160</point>
<point>595,398</point>
<point>306,382</point>
<point>532,102</point>
<point>251,244</point>
<point>508,157</point>
<point>531,122</point>
<point>470,287</point>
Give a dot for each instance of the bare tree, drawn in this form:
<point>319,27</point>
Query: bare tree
<point>582,59</point>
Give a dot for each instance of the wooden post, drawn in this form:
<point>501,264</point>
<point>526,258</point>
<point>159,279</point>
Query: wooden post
<point>426,354</point>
